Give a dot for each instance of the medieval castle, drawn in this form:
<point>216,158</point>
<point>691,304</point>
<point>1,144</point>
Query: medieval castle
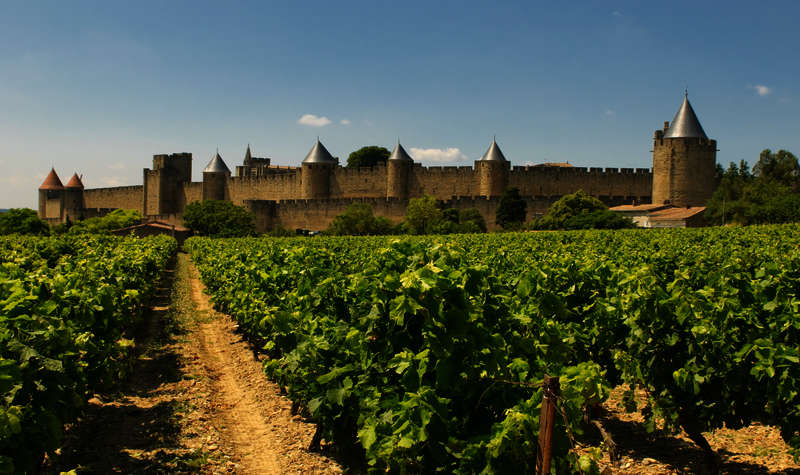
<point>311,195</point>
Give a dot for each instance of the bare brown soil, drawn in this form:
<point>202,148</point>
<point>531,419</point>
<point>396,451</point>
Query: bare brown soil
<point>197,402</point>
<point>750,450</point>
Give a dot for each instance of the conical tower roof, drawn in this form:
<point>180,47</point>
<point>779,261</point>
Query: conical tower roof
<point>399,153</point>
<point>75,182</point>
<point>52,182</point>
<point>247,155</point>
<point>216,165</point>
<point>685,123</point>
<point>494,154</point>
<point>319,154</point>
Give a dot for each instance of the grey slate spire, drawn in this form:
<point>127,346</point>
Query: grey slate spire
<point>399,153</point>
<point>247,155</point>
<point>319,154</point>
<point>493,154</point>
<point>685,123</point>
<point>216,165</point>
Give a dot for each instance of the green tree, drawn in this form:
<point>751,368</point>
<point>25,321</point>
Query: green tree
<point>472,221</point>
<point>422,215</point>
<point>218,219</point>
<point>581,211</point>
<point>767,195</point>
<point>22,221</point>
<point>511,210</point>
<point>781,166</point>
<point>117,219</point>
<point>368,156</point>
<point>359,220</point>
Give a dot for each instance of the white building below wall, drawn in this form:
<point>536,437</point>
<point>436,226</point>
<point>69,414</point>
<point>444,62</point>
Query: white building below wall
<point>663,216</point>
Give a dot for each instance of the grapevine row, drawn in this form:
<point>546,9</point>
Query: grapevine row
<point>422,352</point>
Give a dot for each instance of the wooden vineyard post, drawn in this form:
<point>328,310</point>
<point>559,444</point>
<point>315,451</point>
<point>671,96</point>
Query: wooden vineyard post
<point>551,389</point>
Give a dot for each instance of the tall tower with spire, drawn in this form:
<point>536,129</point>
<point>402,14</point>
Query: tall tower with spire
<point>493,171</point>
<point>73,198</point>
<point>684,161</point>
<point>51,197</point>
<point>398,168</point>
<point>215,178</point>
<point>316,171</point>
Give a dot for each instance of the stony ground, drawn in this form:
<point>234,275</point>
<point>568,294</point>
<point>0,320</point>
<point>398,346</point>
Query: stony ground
<point>750,450</point>
<point>198,402</point>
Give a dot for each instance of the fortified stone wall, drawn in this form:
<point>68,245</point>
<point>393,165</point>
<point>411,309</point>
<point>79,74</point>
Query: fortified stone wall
<point>365,182</point>
<point>192,192</point>
<point>557,181</point>
<point>316,215</point>
<point>125,197</point>
<point>442,182</point>
<point>284,186</point>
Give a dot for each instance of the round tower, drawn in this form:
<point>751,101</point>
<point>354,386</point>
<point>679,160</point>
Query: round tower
<point>73,198</point>
<point>51,197</point>
<point>316,171</point>
<point>684,161</point>
<point>215,178</point>
<point>398,169</point>
<point>492,171</point>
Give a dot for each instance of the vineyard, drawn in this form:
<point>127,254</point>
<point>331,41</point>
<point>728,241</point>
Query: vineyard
<point>68,305</point>
<point>417,354</point>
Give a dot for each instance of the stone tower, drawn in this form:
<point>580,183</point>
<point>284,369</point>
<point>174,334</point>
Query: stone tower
<point>163,185</point>
<point>684,161</point>
<point>493,171</point>
<point>398,168</point>
<point>73,198</point>
<point>316,171</point>
<point>215,178</point>
<point>51,197</point>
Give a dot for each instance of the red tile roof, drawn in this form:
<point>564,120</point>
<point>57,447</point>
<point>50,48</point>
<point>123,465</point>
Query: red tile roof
<point>52,182</point>
<point>676,213</point>
<point>74,182</point>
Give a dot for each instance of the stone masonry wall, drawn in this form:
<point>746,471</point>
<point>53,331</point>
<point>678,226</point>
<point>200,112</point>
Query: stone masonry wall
<point>125,197</point>
<point>284,186</point>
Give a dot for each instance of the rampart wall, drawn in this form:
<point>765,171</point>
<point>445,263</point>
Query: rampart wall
<point>282,186</point>
<point>442,182</point>
<point>192,192</point>
<point>556,181</point>
<point>125,197</point>
<point>364,182</point>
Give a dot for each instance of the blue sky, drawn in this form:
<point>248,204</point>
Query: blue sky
<point>100,87</point>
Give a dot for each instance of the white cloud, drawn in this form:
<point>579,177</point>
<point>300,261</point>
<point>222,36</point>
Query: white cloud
<point>762,90</point>
<point>610,112</point>
<point>441,155</point>
<point>116,166</point>
<point>112,181</point>
<point>313,120</point>
<point>616,13</point>
<point>345,121</point>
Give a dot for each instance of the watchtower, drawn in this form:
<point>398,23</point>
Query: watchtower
<point>51,198</point>
<point>316,171</point>
<point>163,185</point>
<point>398,167</point>
<point>684,161</point>
<point>215,178</point>
<point>493,169</point>
<point>73,198</point>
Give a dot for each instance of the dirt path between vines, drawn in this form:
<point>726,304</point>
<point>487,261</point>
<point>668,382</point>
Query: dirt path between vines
<point>196,402</point>
<point>257,421</point>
